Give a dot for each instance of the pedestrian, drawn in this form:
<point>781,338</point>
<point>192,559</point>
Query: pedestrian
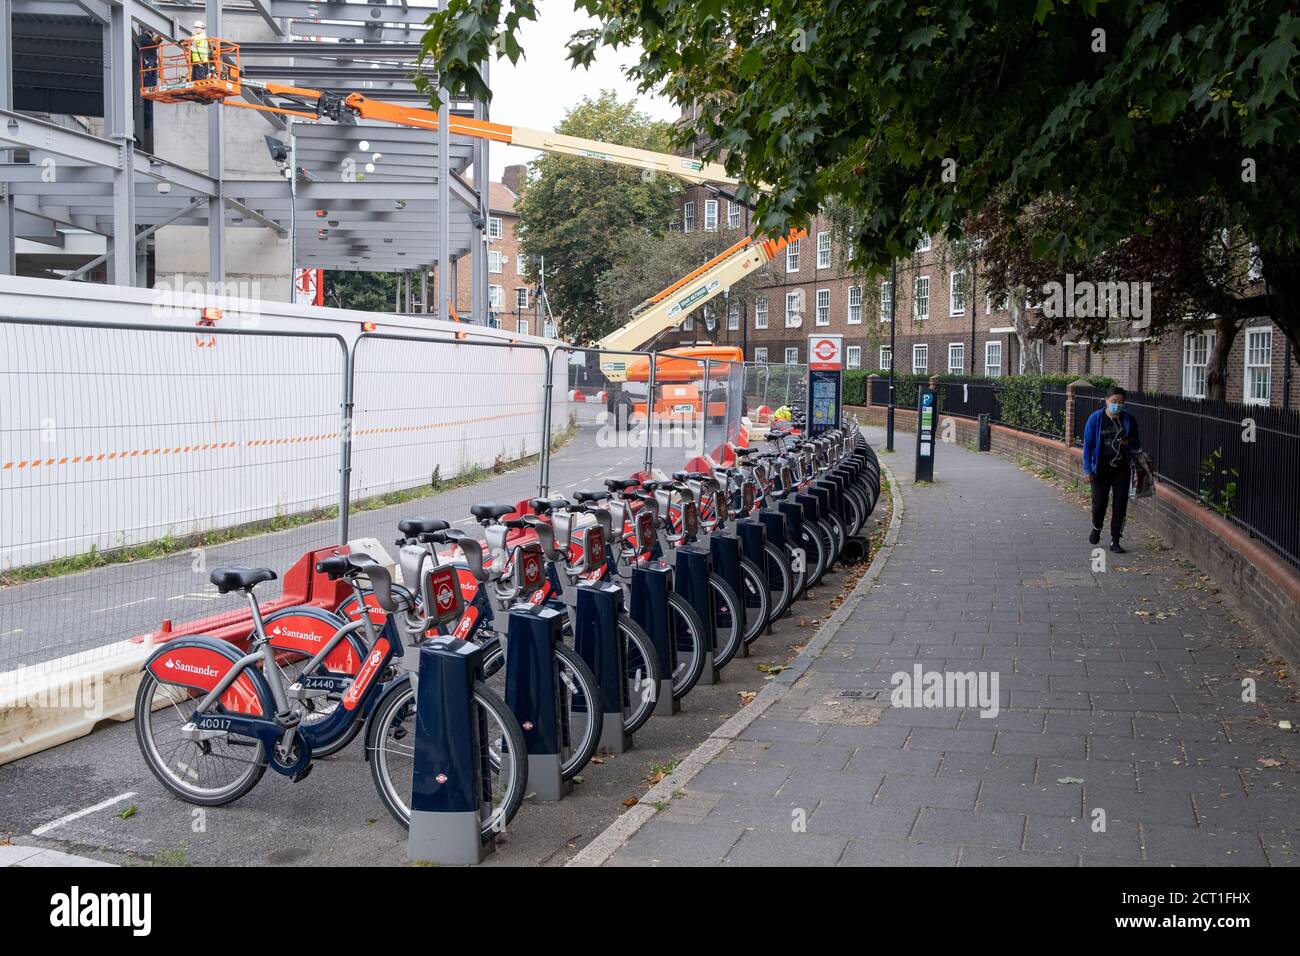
<point>200,51</point>
<point>1109,440</point>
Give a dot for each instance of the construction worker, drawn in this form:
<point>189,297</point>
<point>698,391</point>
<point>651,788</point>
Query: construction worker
<point>149,59</point>
<point>200,51</point>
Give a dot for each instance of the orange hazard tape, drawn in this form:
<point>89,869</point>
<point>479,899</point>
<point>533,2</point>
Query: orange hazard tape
<point>250,443</point>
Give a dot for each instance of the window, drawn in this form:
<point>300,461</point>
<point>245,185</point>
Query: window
<point>1259,365</point>
<point>823,306</point>
<point>956,358</point>
<point>792,356</point>
<point>760,354</point>
<point>496,297</point>
<point>920,359</point>
<point>494,227</point>
<point>521,326</point>
<point>792,316</point>
<point>921,301</point>
<point>710,215</point>
<point>886,356</point>
<point>993,359</point>
<point>521,298</point>
<point>792,256</point>
<point>1196,357</point>
<point>733,317</point>
<point>957,292</point>
<point>733,215</point>
<point>823,250</point>
<point>853,356</point>
<point>855,305</point>
<point>688,325</point>
<point>886,300</point>
<point>549,330</point>
<point>688,216</point>
<point>760,312</point>
<point>494,261</point>
<point>924,244</point>
<point>521,265</point>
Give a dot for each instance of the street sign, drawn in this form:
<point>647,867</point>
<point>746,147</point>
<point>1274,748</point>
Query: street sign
<point>825,362</point>
<point>926,414</point>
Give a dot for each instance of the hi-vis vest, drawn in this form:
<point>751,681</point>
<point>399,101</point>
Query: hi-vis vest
<point>200,52</point>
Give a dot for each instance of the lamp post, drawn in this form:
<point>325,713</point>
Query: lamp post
<point>893,312</point>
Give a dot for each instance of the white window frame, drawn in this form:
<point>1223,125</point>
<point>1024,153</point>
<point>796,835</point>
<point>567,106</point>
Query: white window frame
<point>886,299</point>
<point>494,227</point>
<point>925,243</point>
<point>688,215</point>
<point>991,369</point>
<point>494,262</point>
<point>733,317</point>
<point>921,298</point>
<point>793,318</point>
<point>853,356</point>
<point>957,292</point>
<point>854,314</point>
<point>886,356</point>
<point>760,312</point>
<point>823,250</point>
<point>958,367</point>
<point>710,215</point>
<point>921,359</point>
<point>1197,348</point>
<point>822,310</point>
<point>521,302</point>
<point>760,353</point>
<point>688,323</point>
<point>1257,365</point>
<point>733,214</point>
<point>792,256</point>
<point>521,326</point>
<point>792,355</point>
<point>496,297</point>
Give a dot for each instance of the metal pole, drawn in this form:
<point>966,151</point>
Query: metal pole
<point>650,413</point>
<point>8,264</point>
<point>704,406</point>
<point>544,456</point>
<point>121,128</point>
<point>345,442</point>
<point>445,303</point>
<point>893,314</point>
<point>216,167</point>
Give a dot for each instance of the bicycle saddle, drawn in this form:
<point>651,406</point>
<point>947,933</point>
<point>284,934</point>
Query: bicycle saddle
<point>412,527</point>
<point>590,496</point>
<point>486,512</point>
<point>343,565</point>
<point>744,452</point>
<point>543,506</point>
<point>243,579</point>
<point>621,484</point>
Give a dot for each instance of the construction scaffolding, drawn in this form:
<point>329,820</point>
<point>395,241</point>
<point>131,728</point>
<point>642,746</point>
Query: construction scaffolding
<point>90,182</point>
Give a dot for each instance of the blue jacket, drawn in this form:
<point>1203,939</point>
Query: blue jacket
<point>1092,439</point>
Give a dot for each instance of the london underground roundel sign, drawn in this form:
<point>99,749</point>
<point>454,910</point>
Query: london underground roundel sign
<point>825,353</point>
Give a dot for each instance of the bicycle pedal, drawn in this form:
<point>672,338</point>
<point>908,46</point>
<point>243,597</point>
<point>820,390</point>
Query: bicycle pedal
<point>302,774</point>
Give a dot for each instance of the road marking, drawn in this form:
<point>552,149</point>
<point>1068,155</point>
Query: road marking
<point>46,828</point>
<point>16,630</point>
<point>118,607</point>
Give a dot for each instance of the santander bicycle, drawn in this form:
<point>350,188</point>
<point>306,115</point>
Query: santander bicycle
<point>210,719</point>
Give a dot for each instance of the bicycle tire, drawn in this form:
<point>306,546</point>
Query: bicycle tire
<point>798,573</point>
<point>810,539</point>
<point>641,670</point>
<point>780,581</point>
<point>727,605</point>
<point>391,791</point>
<point>757,598</point>
<point>688,631</point>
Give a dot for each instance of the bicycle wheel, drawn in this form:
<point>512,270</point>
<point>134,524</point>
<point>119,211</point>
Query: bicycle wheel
<point>641,670</point>
<point>316,709</point>
<point>757,598</point>
<point>780,582</point>
<point>728,621</point>
<point>208,773</point>
<point>838,533</point>
<point>581,718</point>
<point>814,547</point>
<point>798,570</point>
<point>688,631</point>
<point>391,743</point>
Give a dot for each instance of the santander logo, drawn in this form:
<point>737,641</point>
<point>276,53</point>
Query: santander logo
<point>281,631</point>
<point>201,670</point>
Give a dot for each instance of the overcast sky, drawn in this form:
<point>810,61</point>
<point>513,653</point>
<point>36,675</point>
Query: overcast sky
<point>542,86</point>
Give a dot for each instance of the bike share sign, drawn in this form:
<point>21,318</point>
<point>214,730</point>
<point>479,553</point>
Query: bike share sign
<point>926,412</point>
<point>825,362</point>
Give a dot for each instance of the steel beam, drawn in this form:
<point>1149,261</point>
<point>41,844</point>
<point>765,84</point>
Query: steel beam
<point>139,237</point>
<point>8,263</point>
<point>385,14</point>
<point>216,169</point>
<point>119,87</point>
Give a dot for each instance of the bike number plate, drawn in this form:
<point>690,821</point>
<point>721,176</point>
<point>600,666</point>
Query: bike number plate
<point>442,598</point>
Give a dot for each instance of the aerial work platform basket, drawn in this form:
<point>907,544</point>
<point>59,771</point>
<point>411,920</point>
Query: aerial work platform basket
<point>189,71</point>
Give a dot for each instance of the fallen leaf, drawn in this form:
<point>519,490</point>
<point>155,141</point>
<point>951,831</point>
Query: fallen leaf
<point>1069,780</point>
<point>746,696</point>
<point>597,759</point>
<point>1269,762</point>
<point>631,802</point>
<point>656,777</point>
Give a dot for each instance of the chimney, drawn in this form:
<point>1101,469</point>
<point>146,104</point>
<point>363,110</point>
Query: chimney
<point>513,179</point>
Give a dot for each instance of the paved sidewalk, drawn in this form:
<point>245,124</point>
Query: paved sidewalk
<point>1122,736</point>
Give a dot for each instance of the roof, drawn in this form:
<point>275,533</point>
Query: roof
<point>501,198</point>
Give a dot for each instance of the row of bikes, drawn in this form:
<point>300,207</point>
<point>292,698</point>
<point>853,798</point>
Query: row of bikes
<point>212,716</point>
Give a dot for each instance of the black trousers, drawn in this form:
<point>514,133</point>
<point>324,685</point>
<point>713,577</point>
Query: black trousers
<point>1111,482</point>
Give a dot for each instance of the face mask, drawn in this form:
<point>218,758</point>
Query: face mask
<point>1113,407</point>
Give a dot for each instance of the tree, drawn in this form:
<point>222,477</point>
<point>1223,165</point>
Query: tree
<point>916,115</point>
<point>363,291</point>
<point>573,209</point>
<point>1186,269</point>
<point>644,263</point>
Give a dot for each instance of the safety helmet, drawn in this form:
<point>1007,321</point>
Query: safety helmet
<point>200,25</point>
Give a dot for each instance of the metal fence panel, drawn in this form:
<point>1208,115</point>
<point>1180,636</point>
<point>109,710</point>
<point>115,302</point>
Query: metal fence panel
<point>144,457</point>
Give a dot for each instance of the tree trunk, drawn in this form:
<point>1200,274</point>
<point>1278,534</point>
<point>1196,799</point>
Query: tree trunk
<point>1216,368</point>
<point>1029,364</point>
